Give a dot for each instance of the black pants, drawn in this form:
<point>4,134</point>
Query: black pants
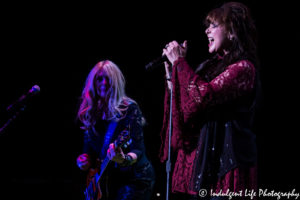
<point>138,188</point>
<point>140,191</point>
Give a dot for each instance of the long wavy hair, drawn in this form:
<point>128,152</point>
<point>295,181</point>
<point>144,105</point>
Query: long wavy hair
<point>237,21</point>
<point>92,107</point>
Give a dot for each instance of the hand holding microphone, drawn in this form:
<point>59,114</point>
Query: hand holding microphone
<point>169,51</point>
<point>173,51</point>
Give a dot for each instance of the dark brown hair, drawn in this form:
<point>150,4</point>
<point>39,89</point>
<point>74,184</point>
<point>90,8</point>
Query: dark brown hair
<point>237,20</point>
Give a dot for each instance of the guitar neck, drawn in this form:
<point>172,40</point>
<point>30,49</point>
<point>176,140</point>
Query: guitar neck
<point>103,166</point>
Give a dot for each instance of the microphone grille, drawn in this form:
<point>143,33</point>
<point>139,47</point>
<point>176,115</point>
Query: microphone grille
<point>35,89</point>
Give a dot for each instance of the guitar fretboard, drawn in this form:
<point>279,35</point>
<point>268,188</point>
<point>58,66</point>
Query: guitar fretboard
<point>103,166</point>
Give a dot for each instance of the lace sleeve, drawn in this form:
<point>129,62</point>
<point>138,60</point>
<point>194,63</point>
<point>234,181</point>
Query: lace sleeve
<point>195,95</point>
<point>136,130</point>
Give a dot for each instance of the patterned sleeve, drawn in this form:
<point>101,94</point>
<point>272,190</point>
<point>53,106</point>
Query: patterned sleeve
<point>136,130</point>
<point>196,95</point>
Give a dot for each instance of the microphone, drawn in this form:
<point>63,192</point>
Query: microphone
<point>34,90</point>
<point>157,62</point>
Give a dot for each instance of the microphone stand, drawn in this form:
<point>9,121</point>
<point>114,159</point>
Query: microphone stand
<point>168,163</point>
<point>19,105</point>
<point>14,116</point>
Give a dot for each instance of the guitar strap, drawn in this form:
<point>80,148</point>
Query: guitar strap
<point>108,137</point>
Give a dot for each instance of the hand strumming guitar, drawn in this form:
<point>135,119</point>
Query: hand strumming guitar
<point>84,162</point>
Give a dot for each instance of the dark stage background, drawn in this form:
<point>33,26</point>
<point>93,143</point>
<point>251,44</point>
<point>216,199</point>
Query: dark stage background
<point>55,46</point>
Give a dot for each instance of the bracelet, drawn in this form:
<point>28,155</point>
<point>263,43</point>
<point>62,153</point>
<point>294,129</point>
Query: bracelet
<point>127,160</point>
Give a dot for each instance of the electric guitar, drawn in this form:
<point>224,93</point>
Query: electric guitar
<point>93,190</point>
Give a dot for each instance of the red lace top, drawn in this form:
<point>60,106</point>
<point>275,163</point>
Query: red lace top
<point>191,95</point>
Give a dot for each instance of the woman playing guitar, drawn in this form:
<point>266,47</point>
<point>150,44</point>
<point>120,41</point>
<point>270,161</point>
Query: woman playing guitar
<point>114,150</point>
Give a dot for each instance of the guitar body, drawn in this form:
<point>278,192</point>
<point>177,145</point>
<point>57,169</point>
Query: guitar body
<point>93,191</point>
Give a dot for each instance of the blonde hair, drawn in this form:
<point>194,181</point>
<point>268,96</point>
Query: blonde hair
<point>91,106</point>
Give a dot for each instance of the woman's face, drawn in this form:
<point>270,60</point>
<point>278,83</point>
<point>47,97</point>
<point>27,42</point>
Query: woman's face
<point>217,38</point>
<point>102,84</point>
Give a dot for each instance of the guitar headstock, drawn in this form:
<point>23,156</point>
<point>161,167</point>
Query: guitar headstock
<point>123,139</point>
